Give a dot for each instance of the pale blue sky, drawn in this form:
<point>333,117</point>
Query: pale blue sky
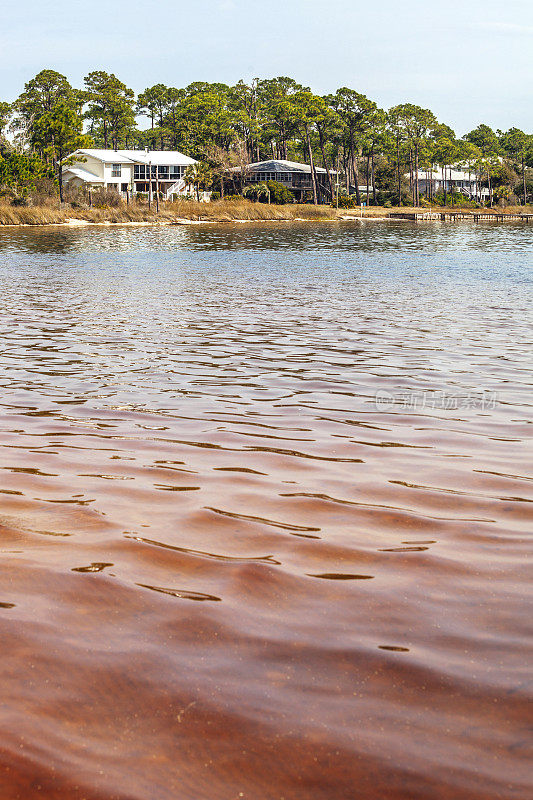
<point>470,61</point>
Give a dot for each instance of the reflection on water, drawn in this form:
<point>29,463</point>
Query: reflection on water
<point>321,434</point>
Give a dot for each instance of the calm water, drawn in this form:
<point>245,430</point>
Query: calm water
<point>265,498</point>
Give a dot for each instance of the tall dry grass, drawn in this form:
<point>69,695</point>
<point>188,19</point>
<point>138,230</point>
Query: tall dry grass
<point>31,215</point>
<point>242,209</point>
<point>218,211</point>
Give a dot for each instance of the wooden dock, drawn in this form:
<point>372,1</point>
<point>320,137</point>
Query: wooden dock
<point>454,216</point>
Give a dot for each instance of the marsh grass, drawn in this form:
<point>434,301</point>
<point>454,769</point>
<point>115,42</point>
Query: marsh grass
<point>235,210</point>
<point>217,211</point>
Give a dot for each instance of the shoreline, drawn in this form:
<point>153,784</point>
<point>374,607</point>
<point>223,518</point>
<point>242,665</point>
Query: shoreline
<point>45,217</point>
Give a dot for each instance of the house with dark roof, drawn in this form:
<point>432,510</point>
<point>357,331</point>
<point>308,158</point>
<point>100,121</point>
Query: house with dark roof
<point>295,176</point>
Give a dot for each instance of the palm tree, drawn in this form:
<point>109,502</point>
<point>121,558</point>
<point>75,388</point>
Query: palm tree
<point>258,191</point>
<point>198,175</point>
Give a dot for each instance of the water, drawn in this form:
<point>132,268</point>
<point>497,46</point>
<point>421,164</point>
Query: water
<point>265,498</point>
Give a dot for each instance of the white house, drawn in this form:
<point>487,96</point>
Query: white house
<point>455,179</point>
<point>129,170</point>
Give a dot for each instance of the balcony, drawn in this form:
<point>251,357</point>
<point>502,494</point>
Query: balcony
<point>160,173</point>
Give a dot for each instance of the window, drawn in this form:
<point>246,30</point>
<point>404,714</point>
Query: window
<point>115,170</point>
<point>176,173</point>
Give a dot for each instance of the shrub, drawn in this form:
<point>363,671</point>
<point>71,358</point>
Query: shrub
<point>106,198</point>
<point>215,195</point>
<point>453,198</point>
<point>269,191</point>
<point>279,194</point>
<point>75,195</point>
<point>346,201</point>
<point>504,196</point>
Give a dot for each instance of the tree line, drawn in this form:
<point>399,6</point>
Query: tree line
<point>358,143</point>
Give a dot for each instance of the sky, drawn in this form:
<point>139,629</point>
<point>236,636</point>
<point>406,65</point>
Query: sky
<point>469,61</point>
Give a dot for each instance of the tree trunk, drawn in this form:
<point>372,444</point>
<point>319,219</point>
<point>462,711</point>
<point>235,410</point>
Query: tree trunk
<point>324,160</point>
<point>60,180</point>
<point>311,164</point>
<point>345,167</point>
<point>367,179</point>
<point>355,172</point>
<point>411,181</point>
<point>398,168</point>
<point>374,196</point>
<point>524,179</point>
<point>417,198</point>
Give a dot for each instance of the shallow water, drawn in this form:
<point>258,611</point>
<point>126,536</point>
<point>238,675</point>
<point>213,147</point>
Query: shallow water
<point>265,504</point>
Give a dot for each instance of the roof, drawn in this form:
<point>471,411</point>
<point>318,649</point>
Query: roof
<point>170,157</point>
<point>451,175</point>
<point>84,174</point>
<point>280,165</point>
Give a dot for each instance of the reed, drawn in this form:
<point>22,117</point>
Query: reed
<point>236,210</point>
<point>217,211</point>
<point>31,215</point>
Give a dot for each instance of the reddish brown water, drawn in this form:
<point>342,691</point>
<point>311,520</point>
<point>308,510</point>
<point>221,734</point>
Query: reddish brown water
<point>265,500</point>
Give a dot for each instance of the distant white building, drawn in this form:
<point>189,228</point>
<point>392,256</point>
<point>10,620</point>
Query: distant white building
<point>467,183</point>
<point>129,171</point>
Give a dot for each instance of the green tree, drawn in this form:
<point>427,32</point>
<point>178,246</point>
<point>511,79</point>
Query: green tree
<point>417,124</point>
<point>356,112</point>
<point>110,109</point>
<point>328,126</point>
<point>154,103</point>
<point>258,191</point>
<point>206,118</point>
<point>48,120</point>
<point>244,102</point>
<point>64,127</point>
<point>276,110</point>
<point>199,176</point>
<point>519,146</point>
<point>41,94</point>
<point>20,173</point>
<point>5,116</point>
<point>397,134</point>
<point>307,110</point>
<point>469,156</point>
<point>484,137</point>
<point>446,153</point>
